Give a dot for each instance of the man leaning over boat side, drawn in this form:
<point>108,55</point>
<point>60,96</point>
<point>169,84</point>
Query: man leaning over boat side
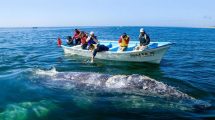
<point>123,42</point>
<point>94,48</point>
<point>144,40</point>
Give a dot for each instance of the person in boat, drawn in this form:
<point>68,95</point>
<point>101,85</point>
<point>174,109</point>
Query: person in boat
<point>92,39</point>
<point>144,40</point>
<point>76,37</point>
<point>94,48</point>
<point>83,40</point>
<point>123,42</point>
<point>69,40</point>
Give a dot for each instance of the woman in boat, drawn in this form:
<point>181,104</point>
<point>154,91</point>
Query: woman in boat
<point>94,48</point>
<point>92,39</point>
<point>76,37</point>
<point>123,42</point>
<point>144,40</point>
<point>83,40</point>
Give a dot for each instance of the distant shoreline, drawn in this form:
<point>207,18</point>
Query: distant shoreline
<point>212,27</point>
<point>98,26</point>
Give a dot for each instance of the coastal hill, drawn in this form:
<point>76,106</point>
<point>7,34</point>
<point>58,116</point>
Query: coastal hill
<point>211,27</point>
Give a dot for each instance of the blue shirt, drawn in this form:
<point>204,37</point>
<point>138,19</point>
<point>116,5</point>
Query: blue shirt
<point>91,41</point>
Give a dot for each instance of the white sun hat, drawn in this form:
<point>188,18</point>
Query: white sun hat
<point>141,30</point>
<point>91,33</point>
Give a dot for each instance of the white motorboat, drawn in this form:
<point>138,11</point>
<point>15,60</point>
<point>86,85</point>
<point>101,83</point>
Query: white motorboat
<point>153,54</point>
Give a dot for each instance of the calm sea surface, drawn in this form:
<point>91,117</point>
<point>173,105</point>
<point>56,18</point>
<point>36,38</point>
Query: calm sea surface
<point>188,66</point>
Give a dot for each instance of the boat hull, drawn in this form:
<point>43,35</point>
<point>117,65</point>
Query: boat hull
<point>150,55</point>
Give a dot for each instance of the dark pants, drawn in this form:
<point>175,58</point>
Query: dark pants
<point>78,41</point>
<point>70,42</point>
<point>100,48</point>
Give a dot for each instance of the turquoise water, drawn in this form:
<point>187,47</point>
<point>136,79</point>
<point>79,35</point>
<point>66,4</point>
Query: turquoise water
<point>188,66</point>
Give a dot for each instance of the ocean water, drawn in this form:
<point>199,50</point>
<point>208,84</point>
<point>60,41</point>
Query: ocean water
<point>188,66</point>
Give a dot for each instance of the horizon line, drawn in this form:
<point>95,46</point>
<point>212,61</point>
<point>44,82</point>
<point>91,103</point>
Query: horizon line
<point>105,26</point>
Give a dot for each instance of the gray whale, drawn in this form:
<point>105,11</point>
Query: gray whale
<point>132,84</point>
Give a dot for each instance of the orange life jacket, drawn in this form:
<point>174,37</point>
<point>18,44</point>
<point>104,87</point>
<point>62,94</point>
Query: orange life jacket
<point>124,41</point>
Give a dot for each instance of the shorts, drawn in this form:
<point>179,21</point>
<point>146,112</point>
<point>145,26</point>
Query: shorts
<point>123,48</point>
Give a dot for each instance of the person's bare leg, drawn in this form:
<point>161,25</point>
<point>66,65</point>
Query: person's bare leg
<point>143,47</point>
<point>137,48</point>
<point>121,49</point>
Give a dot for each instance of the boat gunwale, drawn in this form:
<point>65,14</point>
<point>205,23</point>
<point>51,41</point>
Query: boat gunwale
<point>124,52</point>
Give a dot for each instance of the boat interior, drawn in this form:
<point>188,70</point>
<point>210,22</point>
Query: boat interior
<point>114,47</point>
<point>131,47</point>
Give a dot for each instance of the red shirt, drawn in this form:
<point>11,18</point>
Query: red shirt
<point>76,35</point>
<point>83,40</point>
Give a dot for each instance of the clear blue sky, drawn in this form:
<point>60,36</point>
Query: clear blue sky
<point>28,13</point>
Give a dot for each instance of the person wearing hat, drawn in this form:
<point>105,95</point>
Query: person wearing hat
<point>144,40</point>
<point>123,42</point>
<point>92,39</point>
